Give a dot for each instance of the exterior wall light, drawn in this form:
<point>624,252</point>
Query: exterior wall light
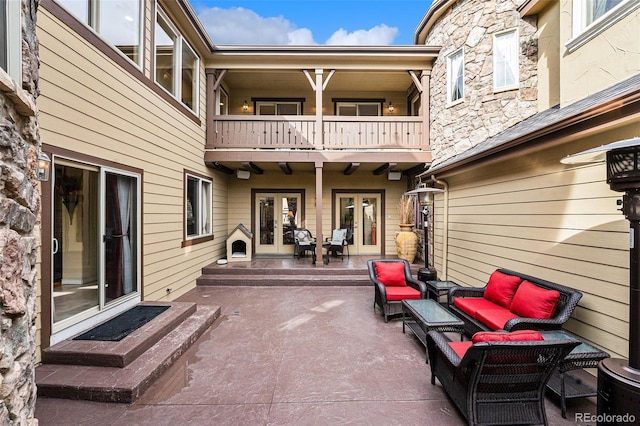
<point>391,108</point>
<point>245,106</point>
<point>44,165</point>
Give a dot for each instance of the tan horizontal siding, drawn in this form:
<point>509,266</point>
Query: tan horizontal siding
<point>539,217</point>
<point>92,106</point>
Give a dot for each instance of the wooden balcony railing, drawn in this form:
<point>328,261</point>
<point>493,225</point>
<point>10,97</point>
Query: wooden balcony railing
<point>298,132</point>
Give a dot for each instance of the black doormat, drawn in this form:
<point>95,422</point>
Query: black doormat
<point>119,327</point>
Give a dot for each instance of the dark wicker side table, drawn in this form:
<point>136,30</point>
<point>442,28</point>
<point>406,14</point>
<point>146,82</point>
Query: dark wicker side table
<point>563,383</point>
<point>437,288</point>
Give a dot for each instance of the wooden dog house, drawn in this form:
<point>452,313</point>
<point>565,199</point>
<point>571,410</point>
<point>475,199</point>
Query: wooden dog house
<point>239,245</point>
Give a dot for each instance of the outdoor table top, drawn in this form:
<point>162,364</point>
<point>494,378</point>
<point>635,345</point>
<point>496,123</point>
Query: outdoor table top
<point>431,312</point>
<point>583,350</point>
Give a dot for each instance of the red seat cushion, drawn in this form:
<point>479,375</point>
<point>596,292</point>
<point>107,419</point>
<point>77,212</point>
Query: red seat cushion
<point>531,301</point>
<point>501,336</point>
<point>401,293</point>
<point>460,347</point>
<point>494,318</point>
<point>391,273</point>
<point>501,288</point>
<point>470,305</point>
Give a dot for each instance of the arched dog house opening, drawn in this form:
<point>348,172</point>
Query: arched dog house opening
<point>239,244</point>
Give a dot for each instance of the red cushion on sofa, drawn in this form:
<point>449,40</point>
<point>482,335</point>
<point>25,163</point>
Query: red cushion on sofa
<point>391,273</point>
<point>471,305</point>
<point>460,348</point>
<point>501,336</point>
<point>501,288</point>
<point>495,318</point>
<point>401,293</point>
<point>531,301</point>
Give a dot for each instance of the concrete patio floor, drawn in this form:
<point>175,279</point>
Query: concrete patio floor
<point>290,356</point>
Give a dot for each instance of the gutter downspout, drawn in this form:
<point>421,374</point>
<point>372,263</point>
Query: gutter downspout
<point>445,225</point>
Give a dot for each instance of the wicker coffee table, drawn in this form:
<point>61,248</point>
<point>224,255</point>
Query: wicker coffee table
<point>424,315</point>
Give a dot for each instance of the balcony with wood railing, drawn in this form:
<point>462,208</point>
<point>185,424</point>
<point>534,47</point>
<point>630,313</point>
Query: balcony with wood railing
<point>298,132</point>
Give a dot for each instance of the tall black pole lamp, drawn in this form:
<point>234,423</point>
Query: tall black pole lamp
<point>619,380</point>
<point>425,197</point>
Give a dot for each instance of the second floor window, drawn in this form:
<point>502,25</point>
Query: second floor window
<point>278,107</point>
<point>505,60</point>
<point>455,77</point>
<point>198,207</point>
<point>176,64</point>
<point>11,39</point>
<point>117,21</point>
<point>359,109</point>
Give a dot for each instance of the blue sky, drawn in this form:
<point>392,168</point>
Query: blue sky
<point>350,22</point>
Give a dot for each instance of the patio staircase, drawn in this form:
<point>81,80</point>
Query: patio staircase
<point>122,371</point>
<point>295,274</point>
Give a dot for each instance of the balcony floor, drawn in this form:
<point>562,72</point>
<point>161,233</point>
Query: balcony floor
<point>295,355</point>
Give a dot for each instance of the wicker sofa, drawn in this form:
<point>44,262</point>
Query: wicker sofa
<point>496,382</point>
<point>513,301</point>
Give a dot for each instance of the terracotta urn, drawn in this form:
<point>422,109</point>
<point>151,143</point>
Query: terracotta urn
<point>406,242</point>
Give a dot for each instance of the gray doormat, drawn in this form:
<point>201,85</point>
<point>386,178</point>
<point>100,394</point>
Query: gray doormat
<point>119,327</point>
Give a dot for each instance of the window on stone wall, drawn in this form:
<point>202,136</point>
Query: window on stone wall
<point>505,60</point>
<point>455,77</point>
<point>11,38</point>
<point>119,22</point>
<point>177,65</point>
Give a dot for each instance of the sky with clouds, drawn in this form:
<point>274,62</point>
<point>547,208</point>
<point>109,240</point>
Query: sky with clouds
<point>311,22</point>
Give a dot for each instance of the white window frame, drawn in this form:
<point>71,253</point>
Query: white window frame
<point>222,101</point>
<point>13,40</point>
<point>93,23</point>
<point>204,215</point>
<point>583,32</point>
<point>357,106</point>
<point>276,104</point>
<point>178,43</point>
<point>509,61</point>
<point>450,77</point>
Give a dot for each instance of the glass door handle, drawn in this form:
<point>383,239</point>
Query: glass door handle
<point>56,245</point>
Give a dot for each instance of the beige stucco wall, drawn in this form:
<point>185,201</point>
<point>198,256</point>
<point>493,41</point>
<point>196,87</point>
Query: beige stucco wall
<point>610,57</point>
<point>92,106</point>
<point>559,222</point>
<point>548,35</point>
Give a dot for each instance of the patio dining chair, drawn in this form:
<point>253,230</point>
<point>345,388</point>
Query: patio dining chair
<point>303,242</point>
<point>339,243</point>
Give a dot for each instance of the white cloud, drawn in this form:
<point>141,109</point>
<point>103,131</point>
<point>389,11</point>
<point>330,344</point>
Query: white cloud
<point>378,35</point>
<point>237,25</point>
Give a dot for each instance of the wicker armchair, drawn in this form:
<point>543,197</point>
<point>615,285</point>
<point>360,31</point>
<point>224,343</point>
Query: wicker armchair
<point>389,297</point>
<point>498,383</point>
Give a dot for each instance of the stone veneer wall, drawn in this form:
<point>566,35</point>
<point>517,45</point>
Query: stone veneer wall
<point>19,230</point>
<point>471,24</point>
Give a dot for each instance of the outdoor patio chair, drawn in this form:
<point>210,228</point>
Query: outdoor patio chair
<point>496,382</point>
<point>304,242</point>
<point>338,244</point>
<point>392,283</point>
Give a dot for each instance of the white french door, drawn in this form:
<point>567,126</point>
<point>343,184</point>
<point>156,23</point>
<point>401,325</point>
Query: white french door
<point>276,216</point>
<point>96,241</point>
<point>360,214</point>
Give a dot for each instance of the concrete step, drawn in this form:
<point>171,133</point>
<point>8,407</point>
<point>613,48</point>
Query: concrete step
<point>273,279</point>
<point>126,384</point>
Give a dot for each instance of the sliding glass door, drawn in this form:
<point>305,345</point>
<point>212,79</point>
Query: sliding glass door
<point>276,216</point>
<point>96,239</point>
<point>360,214</point>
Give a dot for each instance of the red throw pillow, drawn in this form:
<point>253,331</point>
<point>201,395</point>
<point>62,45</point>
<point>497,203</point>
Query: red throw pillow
<point>391,273</point>
<point>531,301</point>
<point>501,336</point>
<point>501,288</point>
